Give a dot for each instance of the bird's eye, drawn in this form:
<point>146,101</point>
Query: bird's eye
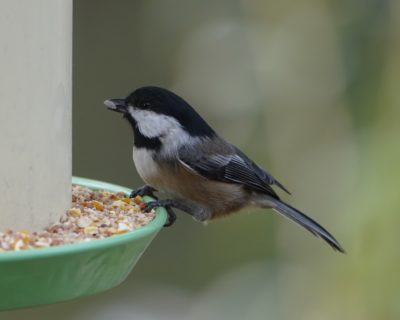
<point>146,105</point>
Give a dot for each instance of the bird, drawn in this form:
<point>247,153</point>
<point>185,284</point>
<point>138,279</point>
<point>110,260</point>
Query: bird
<point>176,152</point>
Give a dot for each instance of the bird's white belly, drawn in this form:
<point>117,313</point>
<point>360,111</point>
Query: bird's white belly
<point>146,167</point>
<point>161,178</point>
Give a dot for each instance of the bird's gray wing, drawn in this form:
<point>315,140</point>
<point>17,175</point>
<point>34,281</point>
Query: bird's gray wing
<point>261,173</point>
<point>233,167</point>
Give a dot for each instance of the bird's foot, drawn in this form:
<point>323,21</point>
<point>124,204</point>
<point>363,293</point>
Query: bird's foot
<point>167,204</point>
<point>145,190</point>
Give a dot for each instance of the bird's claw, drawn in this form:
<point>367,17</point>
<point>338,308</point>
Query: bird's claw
<point>171,217</point>
<point>160,203</point>
<point>146,190</point>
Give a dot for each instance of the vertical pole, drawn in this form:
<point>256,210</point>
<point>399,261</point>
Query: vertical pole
<point>35,112</point>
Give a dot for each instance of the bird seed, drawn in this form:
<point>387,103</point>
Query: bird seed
<point>93,215</point>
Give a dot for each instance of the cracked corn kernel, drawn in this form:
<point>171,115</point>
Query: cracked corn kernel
<point>98,205</point>
<point>74,212</point>
<point>127,200</point>
<point>138,199</point>
<point>90,229</point>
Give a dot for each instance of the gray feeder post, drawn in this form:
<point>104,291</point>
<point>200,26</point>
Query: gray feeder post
<point>35,112</point>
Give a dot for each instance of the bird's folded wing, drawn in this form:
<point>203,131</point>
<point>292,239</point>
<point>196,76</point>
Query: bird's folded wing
<point>230,168</point>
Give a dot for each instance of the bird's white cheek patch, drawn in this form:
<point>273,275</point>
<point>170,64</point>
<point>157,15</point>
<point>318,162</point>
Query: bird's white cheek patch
<point>152,125</point>
<point>166,128</point>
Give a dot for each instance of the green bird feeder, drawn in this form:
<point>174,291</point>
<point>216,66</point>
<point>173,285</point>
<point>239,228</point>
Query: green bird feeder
<point>49,275</point>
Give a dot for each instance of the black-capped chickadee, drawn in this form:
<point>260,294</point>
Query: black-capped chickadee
<point>176,152</point>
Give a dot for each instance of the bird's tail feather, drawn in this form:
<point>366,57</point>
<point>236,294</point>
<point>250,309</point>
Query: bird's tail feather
<point>308,223</point>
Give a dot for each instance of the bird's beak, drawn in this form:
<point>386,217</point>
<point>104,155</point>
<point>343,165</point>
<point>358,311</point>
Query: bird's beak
<point>118,105</point>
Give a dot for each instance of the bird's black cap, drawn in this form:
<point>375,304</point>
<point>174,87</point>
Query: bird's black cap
<point>163,101</point>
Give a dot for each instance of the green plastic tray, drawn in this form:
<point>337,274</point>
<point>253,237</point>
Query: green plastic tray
<point>55,274</point>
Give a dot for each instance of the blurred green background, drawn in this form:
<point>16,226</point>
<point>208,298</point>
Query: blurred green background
<point>310,90</point>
